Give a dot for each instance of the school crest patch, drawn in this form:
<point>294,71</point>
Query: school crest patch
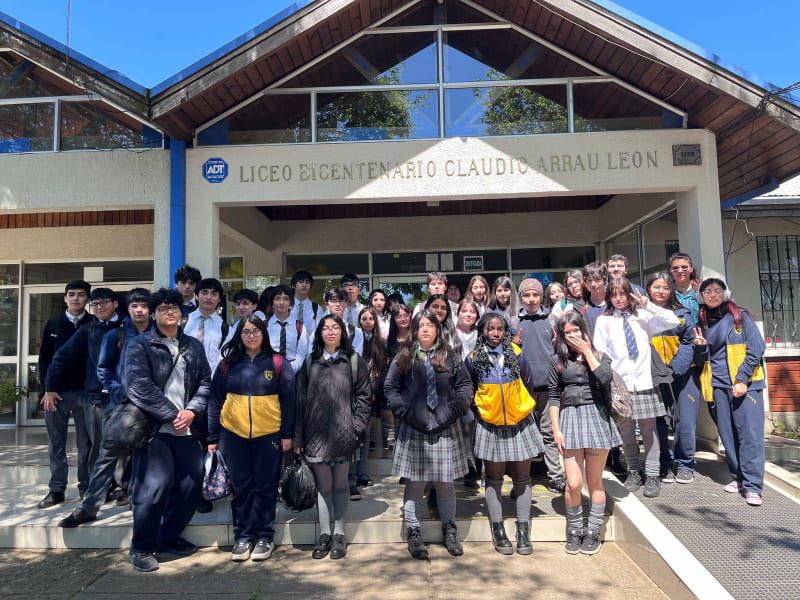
<point>683,322</point>
<point>268,375</point>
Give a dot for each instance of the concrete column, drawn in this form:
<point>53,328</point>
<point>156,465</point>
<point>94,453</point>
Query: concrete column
<point>202,236</point>
<point>162,277</point>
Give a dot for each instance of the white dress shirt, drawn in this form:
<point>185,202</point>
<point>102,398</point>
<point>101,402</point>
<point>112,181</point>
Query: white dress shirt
<point>609,337</point>
<point>351,314</point>
<point>309,322</point>
<point>297,347</point>
<point>384,322</point>
<point>211,335</point>
<point>73,319</point>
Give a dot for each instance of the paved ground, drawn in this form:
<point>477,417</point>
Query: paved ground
<point>784,452</point>
<point>383,571</point>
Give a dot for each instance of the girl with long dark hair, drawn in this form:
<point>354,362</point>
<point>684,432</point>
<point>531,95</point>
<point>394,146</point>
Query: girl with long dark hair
<point>478,292</point>
<point>334,398</point>
<point>732,377</point>
<point>506,436</point>
<point>504,300</point>
<point>574,286</point>
<point>428,390</point>
<point>399,329</point>
<point>380,302</point>
<point>251,413</point>
<point>582,427</point>
<point>623,332</point>
<point>439,305</point>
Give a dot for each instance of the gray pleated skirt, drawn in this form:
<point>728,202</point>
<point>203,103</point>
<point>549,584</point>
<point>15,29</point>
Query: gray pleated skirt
<point>429,457</point>
<point>508,444</point>
<point>588,426</point>
<point>647,405</point>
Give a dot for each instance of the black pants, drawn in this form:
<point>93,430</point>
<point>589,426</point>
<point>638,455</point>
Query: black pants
<point>255,469</point>
<point>168,476</point>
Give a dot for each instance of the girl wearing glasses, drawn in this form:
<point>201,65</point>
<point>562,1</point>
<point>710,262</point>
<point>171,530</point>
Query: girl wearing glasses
<point>251,421</point>
<point>334,398</point>
<point>623,332</point>
<point>732,377</point>
<point>429,390</point>
<point>677,380</point>
<point>573,284</point>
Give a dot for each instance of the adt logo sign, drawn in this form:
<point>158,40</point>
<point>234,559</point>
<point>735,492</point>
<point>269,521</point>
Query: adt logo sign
<point>215,170</point>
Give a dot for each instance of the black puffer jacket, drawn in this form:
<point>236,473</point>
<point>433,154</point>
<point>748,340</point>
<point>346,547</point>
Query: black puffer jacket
<point>406,392</point>
<point>331,413</point>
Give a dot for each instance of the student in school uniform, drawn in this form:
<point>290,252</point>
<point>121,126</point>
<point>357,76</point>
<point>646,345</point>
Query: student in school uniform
<point>732,377</point>
<point>555,300</point>
<point>574,287</point>
<point>467,333</point>
<point>428,389</point>
<point>505,301</point>
<point>595,281</point>
<point>246,303</point>
<point>205,324</point>
<point>265,301</point>
<point>437,285</point>
<point>686,282</point>
<point>453,293</point>
<point>623,332</point>
<point>186,279</point>
<point>583,428</point>
<point>617,266</point>
<point>506,436</point>
<point>57,332</point>
<point>351,284</point>
<point>380,302</point>
<point>336,304</point>
<point>304,309</point>
<point>478,292</point>
<point>536,337</point>
<point>399,329</point>
<point>394,299</point>
<point>288,337</point>
<point>440,306</point>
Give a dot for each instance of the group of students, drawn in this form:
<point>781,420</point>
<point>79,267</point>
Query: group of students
<point>474,387</point>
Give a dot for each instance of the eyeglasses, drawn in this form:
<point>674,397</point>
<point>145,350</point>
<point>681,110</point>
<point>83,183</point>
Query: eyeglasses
<point>173,308</point>
<point>658,288</point>
<point>680,268</point>
<point>99,303</point>
<point>350,286</point>
<point>714,292</point>
<point>335,302</point>
<point>251,333</point>
<point>332,329</point>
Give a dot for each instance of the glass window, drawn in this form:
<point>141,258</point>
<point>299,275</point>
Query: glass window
<point>608,107</point>
<point>779,275</point>
<point>9,312</point>
<point>432,12</point>
<point>377,115</point>
<point>8,393</point>
<point>628,246</point>
<point>42,308</point>
<point>113,271</point>
<point>388,59</point>
<point>327,264</point>
<point>495,54</point>
<point>9,274</point>
<point>95,125</point>
<point>551,258</point>
<point>506,111</point>
<point>26,127</point>
<point>231,267</point>
<point>659,241</point>
<point>31,81</point>
<point>272,119</point>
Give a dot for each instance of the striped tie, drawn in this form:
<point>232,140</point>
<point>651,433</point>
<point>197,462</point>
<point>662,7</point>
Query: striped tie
<point>431,396</point>
<point>630,340</point>
<point>300,312</point>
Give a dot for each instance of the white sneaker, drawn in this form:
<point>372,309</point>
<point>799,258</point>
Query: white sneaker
<point>753,498</point>
<point>733,487</point>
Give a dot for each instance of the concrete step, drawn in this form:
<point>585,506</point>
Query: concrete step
<point>377,518</point>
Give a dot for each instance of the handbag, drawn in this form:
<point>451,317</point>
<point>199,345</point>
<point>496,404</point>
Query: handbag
<point>618,398</point>
<point>127,427</point>
<point>217,480</point>
<point>298,488</point>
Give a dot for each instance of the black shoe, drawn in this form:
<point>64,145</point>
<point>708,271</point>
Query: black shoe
<point>339,546</point>
<point>591,541</point>
<point>354,493</point>
<point>205,506</point>
<point>450,534</point>
<point>78,517</point>
<point>262,550</point>
<point>403,480</point>
<point>574,540</point>
<point>122,499</point>
<point>81,493</point>
<point>634,481</point>
<point>364,480</point>
<point>322,547</point>
<point>143,561</point>
<point>684,476</point>
<point>652,487</point>
<point>415,546</point>
<point>180,548</point>
<point>471,478</point>
<point>557,487</point>
<point>51,499</point>
<point>110,495</point>
<point>524,545</point>
<point>240,552</point>
<point>501,542</point>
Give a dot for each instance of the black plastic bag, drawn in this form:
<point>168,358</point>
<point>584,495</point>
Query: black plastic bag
<point>127,427</point>
<point>298,486</point>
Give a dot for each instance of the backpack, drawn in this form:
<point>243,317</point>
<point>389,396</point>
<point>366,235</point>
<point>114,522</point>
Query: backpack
<point>277,364</point>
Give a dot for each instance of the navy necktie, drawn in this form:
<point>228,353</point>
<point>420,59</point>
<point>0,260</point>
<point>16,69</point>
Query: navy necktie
<point>431,395</point>
<point>630,340</point>
<point>282,349</point>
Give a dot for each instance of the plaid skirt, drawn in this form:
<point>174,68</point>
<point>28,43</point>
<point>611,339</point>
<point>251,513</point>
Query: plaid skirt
<point>429,457</point>
<point>588,426</point>
<point>508,444</point>
<point>647,405</point>
<point>346,460</point>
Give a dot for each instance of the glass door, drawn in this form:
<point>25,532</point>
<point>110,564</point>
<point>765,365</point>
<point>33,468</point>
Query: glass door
<point>412,288</point>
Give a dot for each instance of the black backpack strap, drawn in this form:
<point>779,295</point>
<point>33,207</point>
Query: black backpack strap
<point>314,309</point>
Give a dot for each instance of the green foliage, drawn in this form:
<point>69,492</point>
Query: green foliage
<point>10,393</point>
<point>780,426</point>
<point>792,435</point>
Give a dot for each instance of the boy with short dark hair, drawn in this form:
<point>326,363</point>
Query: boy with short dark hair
<point>304,310</point>
<point>351,285</point>
<point>57,332</point>
<point>205,324</point>
<point>288,336</point>
<point>617,266</point>
<point>186,280</point>
<point>437,284</point>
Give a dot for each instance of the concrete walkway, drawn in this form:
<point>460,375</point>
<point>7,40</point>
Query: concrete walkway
<point>381,571</point>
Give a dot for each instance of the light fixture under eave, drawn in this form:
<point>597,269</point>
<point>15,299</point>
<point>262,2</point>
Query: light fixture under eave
<point>432,203</point>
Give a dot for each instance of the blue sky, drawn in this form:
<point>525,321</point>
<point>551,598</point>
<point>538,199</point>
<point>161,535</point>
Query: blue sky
<point>150,41</point>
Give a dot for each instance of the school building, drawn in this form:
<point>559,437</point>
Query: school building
<point>391,138</point>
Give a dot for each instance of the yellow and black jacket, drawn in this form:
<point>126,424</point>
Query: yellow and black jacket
<point>501,400</point>
<point>676,347</point>
<point>251,399</point>
<point>744,348</point>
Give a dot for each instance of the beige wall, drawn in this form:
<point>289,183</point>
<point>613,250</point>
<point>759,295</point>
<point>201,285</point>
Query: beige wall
<point>76,243</point>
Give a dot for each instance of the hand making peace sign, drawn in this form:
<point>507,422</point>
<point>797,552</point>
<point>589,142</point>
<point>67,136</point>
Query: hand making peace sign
<point>699,340</point>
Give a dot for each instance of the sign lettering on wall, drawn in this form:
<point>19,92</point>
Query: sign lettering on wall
<point>473,263</point>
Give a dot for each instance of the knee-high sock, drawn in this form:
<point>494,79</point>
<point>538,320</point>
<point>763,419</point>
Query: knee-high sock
<point>652,463</point>
<point>575,516</point>
<point>596,515</point>
<point>522,492</point>
<point>412,502</point>
<point>446,499</point>
<point>494,503</point>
